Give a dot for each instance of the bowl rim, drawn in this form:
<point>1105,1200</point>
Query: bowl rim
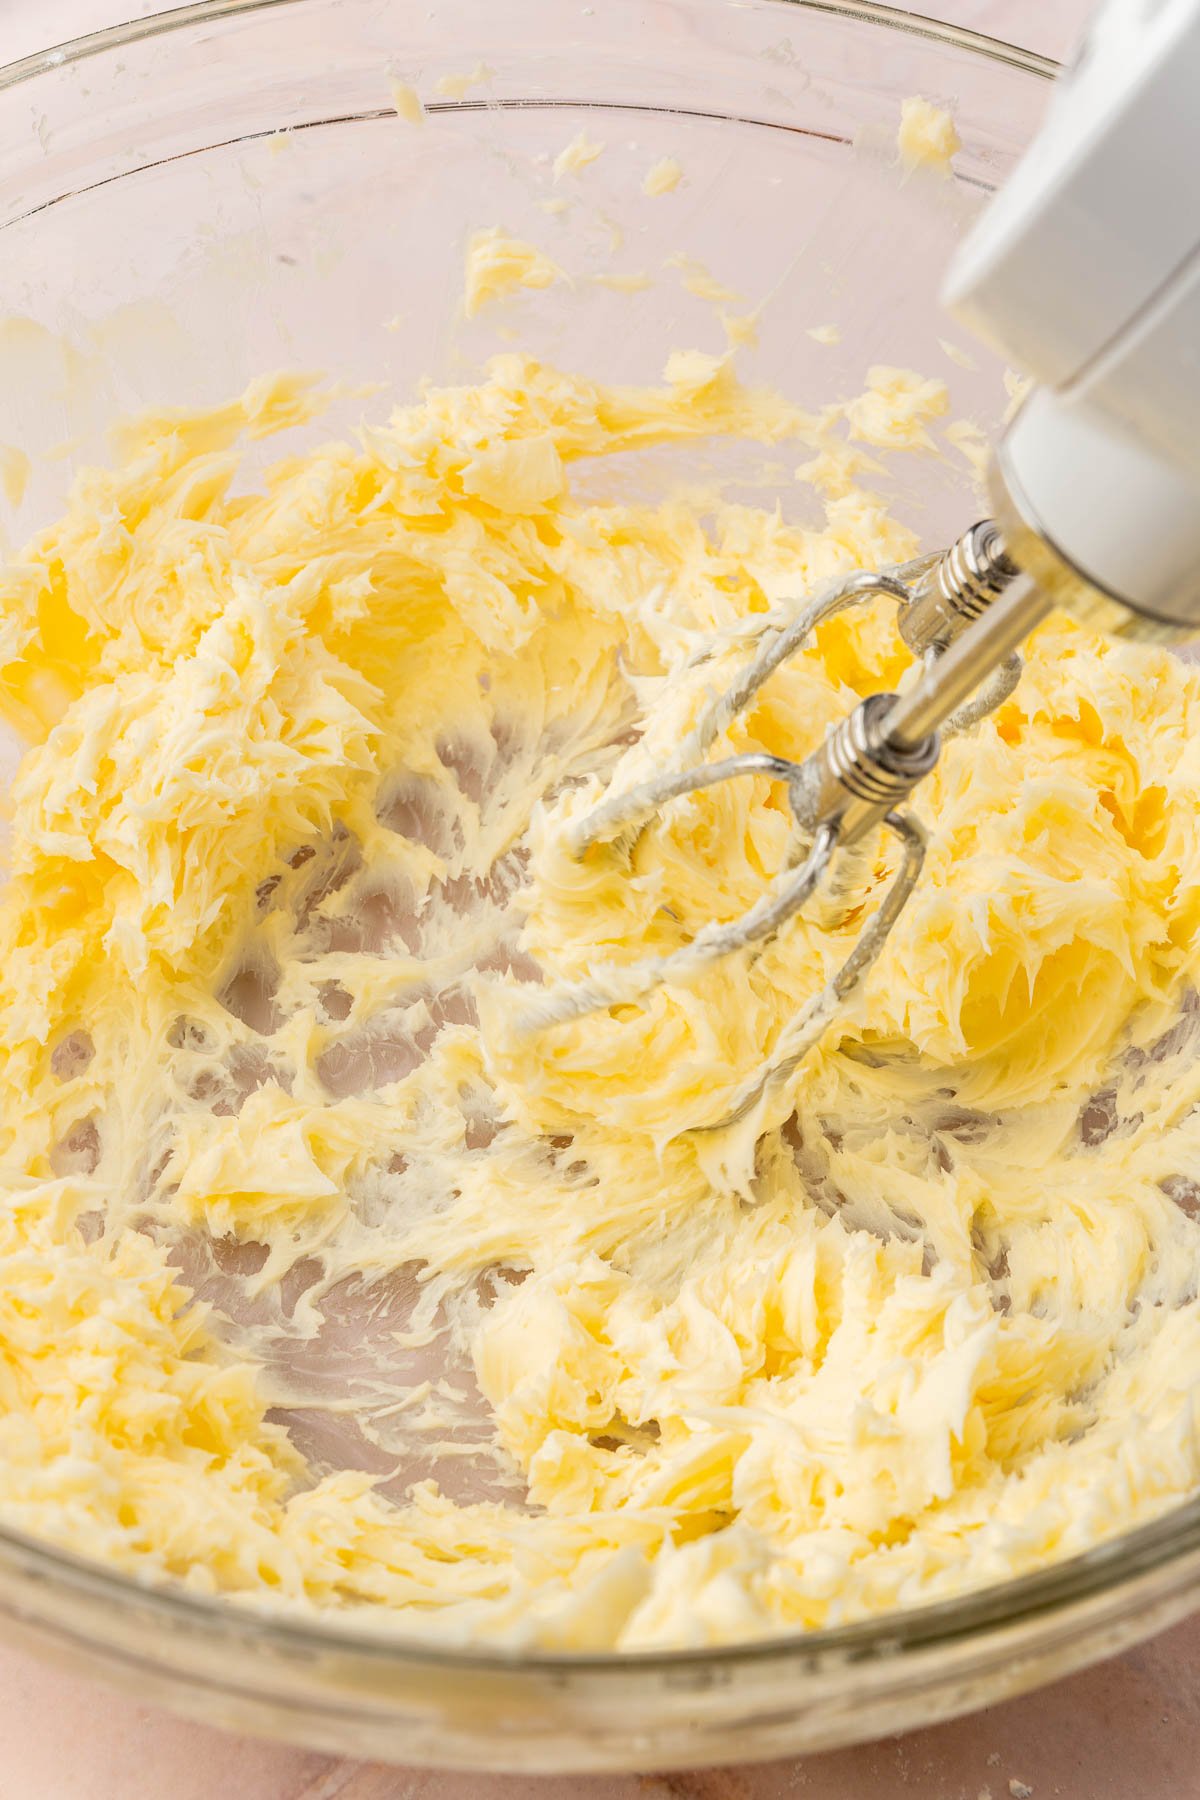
<point>178,18</point>
<point>1115,1565</point>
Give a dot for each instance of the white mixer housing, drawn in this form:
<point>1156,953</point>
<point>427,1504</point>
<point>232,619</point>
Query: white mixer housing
<point>1085,272</point>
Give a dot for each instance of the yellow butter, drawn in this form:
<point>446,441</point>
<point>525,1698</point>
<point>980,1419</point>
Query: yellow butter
<point>662,177</point>
<point>499,265</point>
<point>294,744</point>
<point>928,137</point>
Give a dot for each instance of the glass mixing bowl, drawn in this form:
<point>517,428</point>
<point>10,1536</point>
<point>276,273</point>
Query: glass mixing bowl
<point>194,199</point>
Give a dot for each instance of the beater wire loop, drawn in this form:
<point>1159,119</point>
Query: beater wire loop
<point>840,795</point>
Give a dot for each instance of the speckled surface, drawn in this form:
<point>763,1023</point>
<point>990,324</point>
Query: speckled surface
<point>1128,1730</point>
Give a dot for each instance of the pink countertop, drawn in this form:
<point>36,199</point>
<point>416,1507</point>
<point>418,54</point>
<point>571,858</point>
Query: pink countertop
<point>1128,1730</point>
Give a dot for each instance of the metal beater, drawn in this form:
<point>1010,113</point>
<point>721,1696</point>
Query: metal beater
<point>962,614</point>
<point>1085,272</point>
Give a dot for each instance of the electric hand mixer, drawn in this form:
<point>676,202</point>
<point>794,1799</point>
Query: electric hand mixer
<point>1085,271</point>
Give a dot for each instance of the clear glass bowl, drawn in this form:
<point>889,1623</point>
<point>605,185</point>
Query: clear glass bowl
<point>163,242</point>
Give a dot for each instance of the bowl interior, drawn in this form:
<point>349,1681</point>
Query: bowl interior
<point>199,201</point>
